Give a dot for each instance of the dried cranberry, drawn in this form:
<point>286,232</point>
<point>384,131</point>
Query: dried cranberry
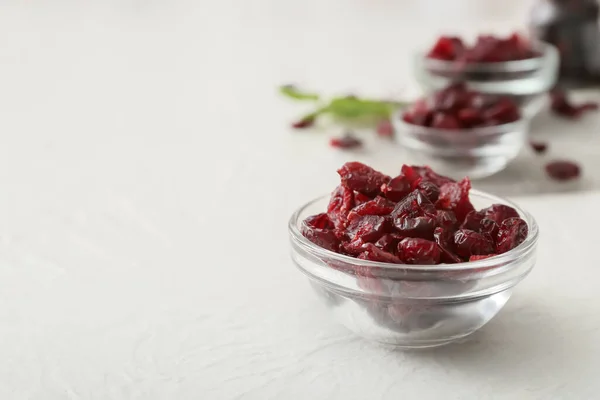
<point>385,129</point>
<point>468,243</point>
<point>512,233</point>
<point>397,188</point>
<point>489,229</point>
<point>360,198</point>
<point>348,141</point>
<point>354,247</point>
<point>430,190</point>
<point>455,197</point>
<point>378,206</point>
<point>418,227</point>
<point>538,147</point>
<point>445,121</point>
<point>564,108</point>
<point>563,170</point>
<point>447,48</point>
<point>389,242</point>
<point>445,219</point>
<point>418,251</point>
<point>427,175</point>
<point>499,212</point>
<point>324,238</point>
<point>456,107</point>
<point>413,205</point>
<point>372,253</point>
<point>342,201</point>
<point>486,49</point>
<point>472,220</point>
<point>362,178</point>
<point>305,122</point>
<point>369,228</point>
<point>445,240</point>
<point>319,221</point>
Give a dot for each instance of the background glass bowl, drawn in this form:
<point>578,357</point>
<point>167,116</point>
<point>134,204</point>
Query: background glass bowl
<point>412,306</point>
<point>526,81</point>
<point>475,152</point>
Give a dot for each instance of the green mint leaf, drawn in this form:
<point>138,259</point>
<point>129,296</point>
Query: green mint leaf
<point>294,93</point>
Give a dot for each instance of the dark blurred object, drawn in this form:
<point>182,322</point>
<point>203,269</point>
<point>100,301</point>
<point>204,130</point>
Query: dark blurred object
<point>572,26</point>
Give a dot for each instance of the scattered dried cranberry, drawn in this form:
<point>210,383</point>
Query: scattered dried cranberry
<point>563,170</point>
<point>539,147</point>
<point>456,107</point>
<point>486,49</point>
<point>564,108</point>
<point>348,141</point>
<point>512,233</point>
<point>362,178</point>
<point>385,129</point>
<point>419,251</point>
<point>418,217</point>
<point>304,123</point>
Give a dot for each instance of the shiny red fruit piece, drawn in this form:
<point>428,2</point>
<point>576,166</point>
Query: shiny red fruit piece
<point>389,242</point>
<point>417,227</point>
<point>444,238</point>
<point>324,238</point>
<point>413,205</point>
<point>319,221</point>
<point>512,233</point>
<point>340,204</point>
<point>419,251</point>
<point>369,228</point>
<point>377,206</point>
<point>455,197</point>
<point>362,178</point>
<point>397,188</point>
<point>373,253</point>
<point>563,170</point>
<point>468,243</point>
<point>499,212</point>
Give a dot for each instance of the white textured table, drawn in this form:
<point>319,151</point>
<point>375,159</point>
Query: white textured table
<point>147,177</point>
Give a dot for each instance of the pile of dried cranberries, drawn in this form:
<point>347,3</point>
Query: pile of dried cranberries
<point>418,217</point>
<point>457,107</point>
<point>486,49</point>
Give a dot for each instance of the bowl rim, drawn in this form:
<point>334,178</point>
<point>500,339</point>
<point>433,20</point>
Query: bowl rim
<point>528,64</point>
<point>523,249</point>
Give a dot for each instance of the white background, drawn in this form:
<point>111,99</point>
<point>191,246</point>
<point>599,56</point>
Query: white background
<point>147,175</point>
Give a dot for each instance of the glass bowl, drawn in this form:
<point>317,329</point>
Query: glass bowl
<point>412,306</point>
<point>474,152</point>
<point>526,81</point>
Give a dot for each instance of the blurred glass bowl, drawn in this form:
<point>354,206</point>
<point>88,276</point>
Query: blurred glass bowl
<point>526,81</point>
<point>474,152</point>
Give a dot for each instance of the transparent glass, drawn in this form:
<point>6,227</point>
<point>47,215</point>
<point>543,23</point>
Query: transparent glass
<point>412,306</point>
<point>526,81</point>
<point>475,152</point>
